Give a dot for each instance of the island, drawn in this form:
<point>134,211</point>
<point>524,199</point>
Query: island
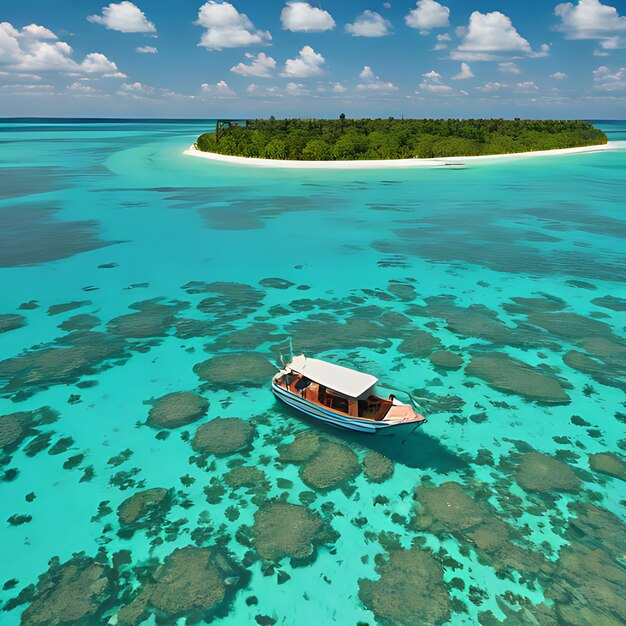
<point>387,139</point>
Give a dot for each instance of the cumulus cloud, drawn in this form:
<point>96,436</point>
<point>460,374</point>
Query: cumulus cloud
<point>528,85</point>
<point>260,66</point>
<point>464,73</point>
<point>227,28</point>
<point>489,35</point>
<point>218,90</point>
<point>264,92</point>
<point>369,24</point>
<point>146,50</point>
<point>338,88</point>
<point>589,19</point>
<point>37,32</point>
<point>442,41</point>
<point>135,89</point>
<point>367,74</point>
<point>97,63</point>
<point>427,15</point>
<point>559,75</point>
<point>302,17</point>
<point>140,91</point>
<point>492,86</point>
<point>82,88</point>
<point>608,80</point>
<point>371,82</point>
<point>36,49</point>
<point>124,17</point>
<point>296,89</point>
<point>509,67</point>
<point>308,63</point>
<point>432,83</point>
<point>612,43</point>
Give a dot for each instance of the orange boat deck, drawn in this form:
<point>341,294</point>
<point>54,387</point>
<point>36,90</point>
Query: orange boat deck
<point>372,408</point>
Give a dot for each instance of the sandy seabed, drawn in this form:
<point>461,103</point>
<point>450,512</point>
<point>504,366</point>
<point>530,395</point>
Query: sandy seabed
<point>397,163</point>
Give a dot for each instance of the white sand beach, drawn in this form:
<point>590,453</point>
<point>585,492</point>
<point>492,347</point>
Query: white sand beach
<point>397,163</point>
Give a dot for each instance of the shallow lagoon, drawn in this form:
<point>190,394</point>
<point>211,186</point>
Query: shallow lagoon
<point>154,263</point>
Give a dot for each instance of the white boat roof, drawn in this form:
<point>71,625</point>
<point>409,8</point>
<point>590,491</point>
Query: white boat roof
<point>336,377</point>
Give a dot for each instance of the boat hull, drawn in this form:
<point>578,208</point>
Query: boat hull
<point>332,418</point>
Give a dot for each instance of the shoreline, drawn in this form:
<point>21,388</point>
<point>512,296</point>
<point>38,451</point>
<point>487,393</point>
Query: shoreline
<point>457,161</point>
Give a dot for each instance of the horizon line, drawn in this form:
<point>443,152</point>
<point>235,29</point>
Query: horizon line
<point>205,119</point>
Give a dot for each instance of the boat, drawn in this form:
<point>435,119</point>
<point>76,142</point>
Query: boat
<point>342,396</point>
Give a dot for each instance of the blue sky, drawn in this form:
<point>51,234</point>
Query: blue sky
<point>454,58</point>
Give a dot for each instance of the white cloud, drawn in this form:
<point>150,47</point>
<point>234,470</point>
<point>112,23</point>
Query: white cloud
<point>291,89</point>
<point>492,86</point>
<point>21,75</point>
<point>377,86</point>
<point>427,15</point>
<point>509,67</point>
<point>307,63</point>
<point>338,88</point>
<point>489,35</point>
<point>227,28</point>
<point>27,86</point>
<point>97,63</point>
<point>124,17</point>
<point>296,89</point>
<point>609,43</point>
<point>139,91</point>
<point>528,85</point>
<point>612,43</point>
<point>136,89</point>
<point>38,32</point>
<point>608,80</point>
<point>37,49</point>
<point>369,24</point>
<point>442,41</point>
<point>432,83</point>
<point>302,17</point>
<point>260,66</point>
<point>589,19</point>
<point>464,73</point>
<point>367,74</point>
<point>26,89</point>
<point>146,50</point>
<point>82,87</point>
<point>218,90</point>
<point>264,92</point>
<point>371,82</point>
<point>559,75</point>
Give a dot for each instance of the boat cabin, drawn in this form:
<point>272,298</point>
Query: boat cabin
<point>337,388</point>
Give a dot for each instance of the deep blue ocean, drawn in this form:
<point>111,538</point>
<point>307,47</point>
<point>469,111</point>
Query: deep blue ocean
<point>129,272</point>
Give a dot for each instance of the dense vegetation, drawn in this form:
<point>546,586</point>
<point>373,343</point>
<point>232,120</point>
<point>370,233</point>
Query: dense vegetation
<point>345,139</point>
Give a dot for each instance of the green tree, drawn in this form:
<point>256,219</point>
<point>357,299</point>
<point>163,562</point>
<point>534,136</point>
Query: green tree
<point>317,150</point>
<point>349,146</point>
<point>275,149</point>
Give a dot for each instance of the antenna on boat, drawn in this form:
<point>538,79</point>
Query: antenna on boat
<point>290,354</point>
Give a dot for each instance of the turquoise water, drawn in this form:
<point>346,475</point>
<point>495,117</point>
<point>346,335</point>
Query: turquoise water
<point>518,268</point>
